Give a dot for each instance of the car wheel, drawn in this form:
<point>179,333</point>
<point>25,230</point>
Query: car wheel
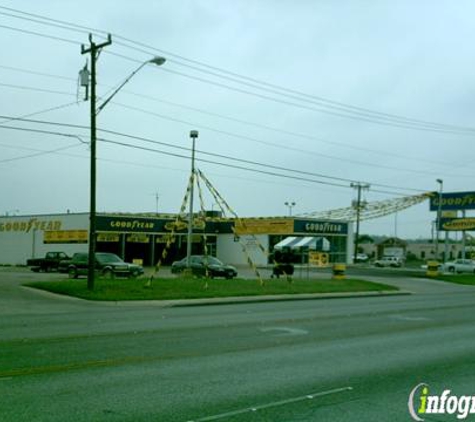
<point>451,269</point>
<point>73,273</point>
<point>108,274</point>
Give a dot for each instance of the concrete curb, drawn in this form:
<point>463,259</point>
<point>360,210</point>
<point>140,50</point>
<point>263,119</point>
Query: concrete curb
<point>221,300</point>
<point>235,300</point>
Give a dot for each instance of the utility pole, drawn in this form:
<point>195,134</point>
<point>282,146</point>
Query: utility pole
<point>359,187</point>
<point>94,49</point>
<point>439,214</point>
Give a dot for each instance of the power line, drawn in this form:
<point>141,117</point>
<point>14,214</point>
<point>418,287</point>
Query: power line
<point>198,159</point>
<point>143,139</point>
<point>358,112</point>
<point>233,119</point>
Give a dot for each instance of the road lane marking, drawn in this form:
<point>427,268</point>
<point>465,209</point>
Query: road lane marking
<point>272,404</point>
<point>284,331</point>
<point>409,318</point>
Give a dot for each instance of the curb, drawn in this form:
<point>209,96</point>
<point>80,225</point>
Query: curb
<point>232,300</point>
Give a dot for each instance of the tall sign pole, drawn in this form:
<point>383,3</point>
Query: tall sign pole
<point>359,187</point>
<point>193,136</point>
<point>94,50</point>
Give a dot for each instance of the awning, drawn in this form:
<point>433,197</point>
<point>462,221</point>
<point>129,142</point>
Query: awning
<point>308,242</point>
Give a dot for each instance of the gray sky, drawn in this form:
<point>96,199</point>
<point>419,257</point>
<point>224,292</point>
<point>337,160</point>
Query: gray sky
<point>410,59</point>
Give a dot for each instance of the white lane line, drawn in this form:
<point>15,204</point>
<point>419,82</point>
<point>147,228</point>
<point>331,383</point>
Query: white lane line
<point>409,318</point>
<point>272,404</point>
<point>284,331</point>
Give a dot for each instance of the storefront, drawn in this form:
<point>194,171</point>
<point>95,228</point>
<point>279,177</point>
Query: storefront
<point>144,237</point>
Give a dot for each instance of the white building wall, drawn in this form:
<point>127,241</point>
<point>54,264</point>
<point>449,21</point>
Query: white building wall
<point>21,237</point>
<point>230,251</point>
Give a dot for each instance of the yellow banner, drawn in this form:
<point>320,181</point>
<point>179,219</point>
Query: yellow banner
<point>65,236</point>
<point>264,226</point>
<point>138,238</point>
<point>108,237</point>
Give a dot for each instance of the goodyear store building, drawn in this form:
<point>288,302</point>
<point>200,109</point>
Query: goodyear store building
<point>143,237</point>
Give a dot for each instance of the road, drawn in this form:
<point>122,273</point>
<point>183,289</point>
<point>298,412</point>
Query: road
<point>354,359</point>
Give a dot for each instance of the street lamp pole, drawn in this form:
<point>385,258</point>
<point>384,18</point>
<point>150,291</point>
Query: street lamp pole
<point>439,213</point>
<point>290,205</point>
<point>94,50</point>
<point>193,136</point>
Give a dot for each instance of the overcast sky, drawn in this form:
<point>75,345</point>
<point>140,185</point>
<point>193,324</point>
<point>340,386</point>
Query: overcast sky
<point>340,89</point>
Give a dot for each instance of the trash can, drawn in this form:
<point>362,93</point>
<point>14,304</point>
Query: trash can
<point>339,271</point>
<point>432,269</point>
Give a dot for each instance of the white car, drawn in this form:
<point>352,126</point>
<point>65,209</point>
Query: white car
<point>389,261</point>
<point>460,266</point>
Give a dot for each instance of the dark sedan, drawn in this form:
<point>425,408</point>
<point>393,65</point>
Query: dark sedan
<point>205,265</point>
<point>108,265</point>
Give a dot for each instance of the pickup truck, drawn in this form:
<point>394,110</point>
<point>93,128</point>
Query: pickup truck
<point>49,263</point>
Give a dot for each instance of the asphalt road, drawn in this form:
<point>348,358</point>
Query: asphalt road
<point>353,359</point>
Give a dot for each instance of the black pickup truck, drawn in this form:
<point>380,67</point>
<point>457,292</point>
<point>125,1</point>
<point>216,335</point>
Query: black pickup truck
<point>49,263</point>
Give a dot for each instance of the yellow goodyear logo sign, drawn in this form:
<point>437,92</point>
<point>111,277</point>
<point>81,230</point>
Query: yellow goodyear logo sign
<point>29,225</point>
<point>458,224</point>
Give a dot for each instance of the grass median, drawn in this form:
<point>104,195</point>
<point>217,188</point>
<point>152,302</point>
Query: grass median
<point>186,288</point>
<point>467,279</point>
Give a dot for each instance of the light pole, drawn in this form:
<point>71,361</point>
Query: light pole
<point>290,205</point>
<point>439,213</point>
<point>94,50</point>
<point>193,136</point>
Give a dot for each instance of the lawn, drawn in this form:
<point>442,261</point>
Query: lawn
<point>468,279</point>
<point>185,288</point>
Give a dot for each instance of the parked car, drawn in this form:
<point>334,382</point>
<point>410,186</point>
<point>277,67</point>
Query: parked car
<point>389,261</point>
<point>361,257</point>
<point>50,262</point>
<point>460,266</point>
<point>108,265</point>
<point>199,265</point>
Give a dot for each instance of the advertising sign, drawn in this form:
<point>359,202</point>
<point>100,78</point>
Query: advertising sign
<point>264,226</point>
<point>457,224</point>
<point>320,227</point>
<point>65,236</point>
<point>453,201</point>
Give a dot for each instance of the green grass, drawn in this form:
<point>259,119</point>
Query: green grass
<point>467,279</point>
<point>183,288</point>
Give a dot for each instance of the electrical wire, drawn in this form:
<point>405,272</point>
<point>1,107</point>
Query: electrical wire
<point>240,121</point>
<point>206,153</point>
<point>371,115</point>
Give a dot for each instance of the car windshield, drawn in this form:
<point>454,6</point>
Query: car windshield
<point>108,258</point>
<point>212,260</point>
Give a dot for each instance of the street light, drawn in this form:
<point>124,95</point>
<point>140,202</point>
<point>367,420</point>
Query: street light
<point>439,213</point>
<point>290,205</point>
<point>94,50</point>
<point>193,136</point>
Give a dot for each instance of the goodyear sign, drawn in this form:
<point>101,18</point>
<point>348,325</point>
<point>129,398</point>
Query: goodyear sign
<point>320,227</point>
<point>457,224</point>
<point>453,201</point>
<point>29,225</point>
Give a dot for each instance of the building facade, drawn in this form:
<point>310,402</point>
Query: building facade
<point>144,237</point>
